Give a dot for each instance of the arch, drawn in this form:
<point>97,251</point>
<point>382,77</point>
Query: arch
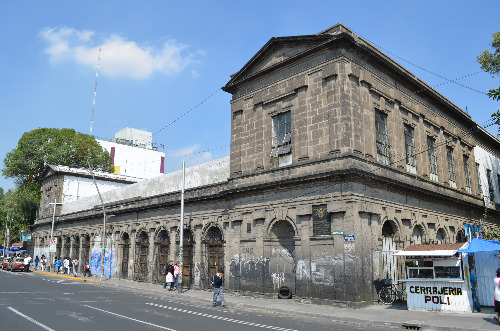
<point>162,244</point>
<point>125,247</point>
<point>214,250</point>
<point>75,246</point>
<point>417,234</point>
<point>389,228</point>
<point>441,236</point>
<point>142,251</point>
<point>85,247</point>
<point>280,247</point>
<point>209,227</point>
<point>460,237</point>
<point>282,222</point>
<point>187,255</point>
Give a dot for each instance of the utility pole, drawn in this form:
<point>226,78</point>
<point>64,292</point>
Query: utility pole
<point>181,233</point>
<point>55,203</point>
<point>5,235</point>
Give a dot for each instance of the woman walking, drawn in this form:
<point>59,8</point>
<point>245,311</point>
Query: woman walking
<point>496,285</point>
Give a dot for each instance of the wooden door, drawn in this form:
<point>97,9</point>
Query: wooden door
<point>214,252</point>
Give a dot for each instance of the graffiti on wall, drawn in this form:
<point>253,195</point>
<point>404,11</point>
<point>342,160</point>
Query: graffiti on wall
<point>278,279</point>
<point>96,262</point>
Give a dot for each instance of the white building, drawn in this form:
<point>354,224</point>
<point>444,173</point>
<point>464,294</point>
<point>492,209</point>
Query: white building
<point>71,184</point>
<point>133,154</point>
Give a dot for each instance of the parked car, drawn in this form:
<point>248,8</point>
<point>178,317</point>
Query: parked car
<point>16,264</point>
<point>5,261</point>
<point>1,262</point>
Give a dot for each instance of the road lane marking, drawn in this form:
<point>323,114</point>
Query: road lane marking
<point>130,318</point>
<point>222,318</point>
<point>30,319</point>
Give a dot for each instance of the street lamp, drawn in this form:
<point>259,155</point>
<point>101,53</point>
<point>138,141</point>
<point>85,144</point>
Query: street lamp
<point>106,217</point>
<point>55,203</point>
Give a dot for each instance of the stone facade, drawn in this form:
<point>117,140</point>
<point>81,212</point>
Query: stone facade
<point>339,157</point>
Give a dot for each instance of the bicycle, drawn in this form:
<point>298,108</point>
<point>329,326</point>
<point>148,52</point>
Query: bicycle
<point>390,293</point>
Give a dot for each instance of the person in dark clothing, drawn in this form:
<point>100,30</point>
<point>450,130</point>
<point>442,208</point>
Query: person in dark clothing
<point>217,283</point>
<point>169,276</point>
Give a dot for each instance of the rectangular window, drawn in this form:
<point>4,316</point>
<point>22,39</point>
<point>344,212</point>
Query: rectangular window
<point>382,140</point>
<point>411,160</point>
<point>281,151</point>
<point>433,166</point>
<point>468,186</point>
<point>451,167</point>
<point>479,185</point>
<point>490,185</point>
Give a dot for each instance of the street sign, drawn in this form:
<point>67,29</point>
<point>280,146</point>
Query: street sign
<point>53,245</point>
<point>349,237</point>
<point>336,233</point>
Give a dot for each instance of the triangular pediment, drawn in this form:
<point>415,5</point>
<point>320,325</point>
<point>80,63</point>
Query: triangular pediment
<point>276,51</point>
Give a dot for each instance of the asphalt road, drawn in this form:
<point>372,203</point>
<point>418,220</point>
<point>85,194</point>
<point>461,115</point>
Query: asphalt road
<point>30,301</point>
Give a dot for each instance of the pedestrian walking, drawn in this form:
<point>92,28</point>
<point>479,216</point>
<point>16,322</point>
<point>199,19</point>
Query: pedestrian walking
<point>169,276</point>
<point>37,260</point>
<point>44,263</point>
<point>75,265</point>
<point>26,263</point>
<point>496,286</point>
<point>66,265</point>
<point>476,308</point>
<point>58,265</point>
<point>86,270</point>
<point>177,270</point>
<point>217,283</point>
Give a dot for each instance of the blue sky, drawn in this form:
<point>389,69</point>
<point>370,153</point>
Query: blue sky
<point>159,59</point>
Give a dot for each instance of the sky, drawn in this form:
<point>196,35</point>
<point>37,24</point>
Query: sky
<point>162,63</point>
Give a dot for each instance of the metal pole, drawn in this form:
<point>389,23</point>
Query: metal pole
<point>5,235</point>
<point>52,229</point>
<point>181,237</point>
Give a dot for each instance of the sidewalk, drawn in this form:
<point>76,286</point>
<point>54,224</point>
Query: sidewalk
<point>394,316</point>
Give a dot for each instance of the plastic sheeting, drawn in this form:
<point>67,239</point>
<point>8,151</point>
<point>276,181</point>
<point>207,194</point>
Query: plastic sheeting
<point>481,245</point>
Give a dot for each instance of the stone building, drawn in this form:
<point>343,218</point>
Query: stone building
<point>339,157</point>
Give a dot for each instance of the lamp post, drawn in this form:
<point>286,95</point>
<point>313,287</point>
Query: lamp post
<point>55,203</point>
<point>181,233</point>
<point>106,217</point>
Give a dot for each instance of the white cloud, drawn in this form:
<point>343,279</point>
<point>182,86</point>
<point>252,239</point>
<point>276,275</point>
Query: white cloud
<point>190,154</point>
<point>119,57</point>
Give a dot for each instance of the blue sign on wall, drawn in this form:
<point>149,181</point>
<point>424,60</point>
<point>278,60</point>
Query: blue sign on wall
<point>349,237</point>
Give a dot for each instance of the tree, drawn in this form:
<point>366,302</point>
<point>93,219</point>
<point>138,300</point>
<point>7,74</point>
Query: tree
<point>43,146</point>
<point>490,63</point>
<point>22,205</point>
<point>26,163</point>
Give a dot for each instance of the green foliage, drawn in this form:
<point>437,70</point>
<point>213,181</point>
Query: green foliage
<point>491,233</point>
<point>21,204</point>
<point>44,146</point>
<point>28,160</point>
<point>490,62</point>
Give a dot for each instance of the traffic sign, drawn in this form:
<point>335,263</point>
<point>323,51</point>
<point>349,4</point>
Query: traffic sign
<point>53,240</point>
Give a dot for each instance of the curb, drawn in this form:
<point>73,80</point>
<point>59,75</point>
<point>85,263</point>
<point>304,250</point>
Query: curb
<point>68,277</point>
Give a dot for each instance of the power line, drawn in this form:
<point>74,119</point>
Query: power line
<point>187,112</point>
<point>420,67</point>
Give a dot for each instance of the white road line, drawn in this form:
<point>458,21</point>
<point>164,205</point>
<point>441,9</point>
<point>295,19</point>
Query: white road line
<point>129,318</point>
<point>222,318</point>
<point>45,327</point>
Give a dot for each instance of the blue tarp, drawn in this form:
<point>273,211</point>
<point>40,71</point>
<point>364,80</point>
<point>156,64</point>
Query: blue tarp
<point>481,245</point>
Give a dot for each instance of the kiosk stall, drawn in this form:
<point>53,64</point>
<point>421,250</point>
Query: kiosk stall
<point>437,278</point>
